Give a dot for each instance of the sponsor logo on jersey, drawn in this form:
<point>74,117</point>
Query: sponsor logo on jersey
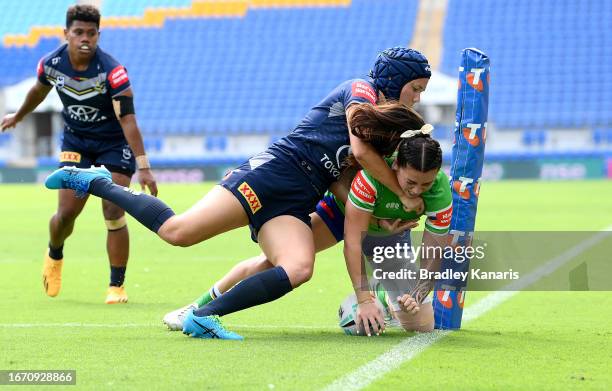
<point>69,156</point>
<point>84,113</point>
<point>392,205</point>
<point>118,77</point>
<point>363,190</point>
<point>55,60</point>
<point>250,196</point>
<point>442,219</point>
<point>363,90</point>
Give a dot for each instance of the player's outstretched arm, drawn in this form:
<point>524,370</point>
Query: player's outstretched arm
<point>124,110</point>
<point>369,316</point>
<point>35,96</point>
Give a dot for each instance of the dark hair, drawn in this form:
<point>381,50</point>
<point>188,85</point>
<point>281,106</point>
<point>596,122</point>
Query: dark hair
<point>84,13</point>
<point>382,125</point>
<point>420,152</point>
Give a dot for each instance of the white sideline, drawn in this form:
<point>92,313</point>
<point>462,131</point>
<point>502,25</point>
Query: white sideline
<point>412,346</point>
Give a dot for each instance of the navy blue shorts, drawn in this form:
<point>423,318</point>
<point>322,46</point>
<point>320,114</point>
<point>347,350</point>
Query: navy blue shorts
<point>332,216</point>
<point>269,186</point>
<point>85,152</point>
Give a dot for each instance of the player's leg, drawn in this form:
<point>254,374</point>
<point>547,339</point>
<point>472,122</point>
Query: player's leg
<point>60,228</point>
<point>117,244</point>
<point>323,239</point>
<point>219,211</point>
<point>288,243</point>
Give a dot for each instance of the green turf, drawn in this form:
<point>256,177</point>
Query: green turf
<point>535,340</point>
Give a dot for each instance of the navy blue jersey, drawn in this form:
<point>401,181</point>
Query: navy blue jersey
<point>322,138</point>
<point>87,95</point>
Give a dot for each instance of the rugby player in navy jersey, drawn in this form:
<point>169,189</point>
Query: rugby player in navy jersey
<point>275,191</point>
<point>100,129</point>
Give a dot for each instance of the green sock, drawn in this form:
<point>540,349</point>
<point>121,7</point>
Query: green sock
<point>204,299</point>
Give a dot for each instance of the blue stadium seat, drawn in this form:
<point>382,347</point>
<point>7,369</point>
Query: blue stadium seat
<point>255,74</point>
<point>533,52</point>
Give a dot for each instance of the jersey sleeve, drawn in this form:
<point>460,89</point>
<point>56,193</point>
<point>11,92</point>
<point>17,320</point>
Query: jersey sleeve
<point>117,79</point>
<point>40,72</point>
<point>359,91</point>
<point>363,192</point>
<point>439,206</point>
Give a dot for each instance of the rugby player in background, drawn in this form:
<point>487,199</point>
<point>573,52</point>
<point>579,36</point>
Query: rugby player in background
<point>262,192</point>
<point>100,129</point>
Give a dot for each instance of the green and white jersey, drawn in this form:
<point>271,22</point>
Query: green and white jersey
<point>371,196</point>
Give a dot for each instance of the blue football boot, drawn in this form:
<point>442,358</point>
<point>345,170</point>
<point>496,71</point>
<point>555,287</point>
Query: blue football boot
<point>77,179</point>
<point>207,327</point>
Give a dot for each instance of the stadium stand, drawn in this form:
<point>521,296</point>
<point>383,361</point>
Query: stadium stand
<point>209,65</point>
<point>213,75</point>
<point>547,73</point>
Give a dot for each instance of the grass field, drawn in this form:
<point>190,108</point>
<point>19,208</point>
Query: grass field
<point>533,340</point>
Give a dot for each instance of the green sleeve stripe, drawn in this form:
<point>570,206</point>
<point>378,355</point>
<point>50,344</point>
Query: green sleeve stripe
<point>359,204</point>
<point>431,228</point>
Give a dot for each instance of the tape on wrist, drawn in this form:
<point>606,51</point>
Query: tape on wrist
<point>142,162</point>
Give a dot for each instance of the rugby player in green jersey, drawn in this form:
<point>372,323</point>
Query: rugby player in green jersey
<point>375,209</point>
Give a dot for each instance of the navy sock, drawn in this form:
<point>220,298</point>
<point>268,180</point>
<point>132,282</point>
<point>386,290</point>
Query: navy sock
<point>117,275</point>
<point>261,288</point>
<point>148,210</point>
<point>56,253</point>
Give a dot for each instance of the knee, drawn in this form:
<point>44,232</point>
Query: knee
<point>175,235</point>
<point>299,275</point>
<point>111,211</point>
<point>66,215</point>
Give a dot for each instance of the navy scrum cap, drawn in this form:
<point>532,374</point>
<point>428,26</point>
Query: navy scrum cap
<point>397,66</point>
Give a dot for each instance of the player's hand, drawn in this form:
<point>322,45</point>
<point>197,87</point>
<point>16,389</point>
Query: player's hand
<point>422,289</point>
<point>413,204</point>
<point>397,226</point>
<point>146,180</point>
<point>369,317</point>
<point>9,121</point>
<point>408,304</point>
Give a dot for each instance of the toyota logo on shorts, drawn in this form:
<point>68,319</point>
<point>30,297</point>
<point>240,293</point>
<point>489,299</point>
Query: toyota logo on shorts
<point>83,113</point>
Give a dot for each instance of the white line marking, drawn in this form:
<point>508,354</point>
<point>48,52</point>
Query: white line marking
<point>412,346</point>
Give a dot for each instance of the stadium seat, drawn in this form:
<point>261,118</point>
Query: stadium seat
<point>248,75</point>
<point>534,53</point>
